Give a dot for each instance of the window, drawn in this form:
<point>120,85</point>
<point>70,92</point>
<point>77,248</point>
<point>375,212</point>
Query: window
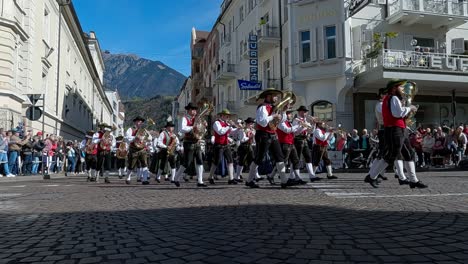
<point>330,42</point>
<point>323,110</point>
<point>305,46</point>
<point>251,5</point>
<point>425,42</point>
<point>241,14</point>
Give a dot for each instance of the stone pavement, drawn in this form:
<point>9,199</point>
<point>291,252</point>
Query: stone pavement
<point>67,220</point>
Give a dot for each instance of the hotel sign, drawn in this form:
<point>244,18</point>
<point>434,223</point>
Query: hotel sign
<point>356,5</point>
<point>446,63</point>
<point>253,54</point>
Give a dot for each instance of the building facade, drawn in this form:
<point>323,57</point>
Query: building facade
<point>335,59</point>
<point>118,112</point>
<point>45,52</point>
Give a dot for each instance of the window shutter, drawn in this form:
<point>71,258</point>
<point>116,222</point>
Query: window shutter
<point>313,44</point>
<point>357,43</point>
<point>458,45</point>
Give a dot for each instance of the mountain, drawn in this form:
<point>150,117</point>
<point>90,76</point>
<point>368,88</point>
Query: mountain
<point>157,108</point>
<point>136,77</point>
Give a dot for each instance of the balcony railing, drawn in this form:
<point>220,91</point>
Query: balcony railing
<point>443,7</point>
<point>417,61</point>
<point>267,31</point>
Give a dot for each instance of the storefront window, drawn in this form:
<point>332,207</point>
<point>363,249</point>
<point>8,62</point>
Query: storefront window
<point>323,110</point>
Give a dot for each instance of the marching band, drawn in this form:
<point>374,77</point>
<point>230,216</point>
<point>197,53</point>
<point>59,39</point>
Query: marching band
<point>268,144</point>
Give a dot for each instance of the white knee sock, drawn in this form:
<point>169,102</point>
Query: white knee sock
<point>329,170</point>
<point>173,173</point>
<point>252,172</point>
<point>311,170</point>
<point>291,174</point>
<point>178,173</point>
<point>411,169</point>
<point>145,173</point>
<point>282,171</point>
<point>400,168</point>
<point>231,171</point>
<point>297,175</point>
<point>239,171</point>
<point>129,175</point>
<point>200,173</point>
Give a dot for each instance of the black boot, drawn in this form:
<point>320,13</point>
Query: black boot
<point>315,179</point>
<point>403,182</point>
<point>290,182</point>
<point>145,183</point>
<point>396,176</point>
<point>418,185</point>
<point>332,177</point>
<point>177,184</point>
<point>271,180</point>
<point>252,184</point>
<point>211,181</point>
<point>106,180</point>
<point>371,181</point>
<point>201,185</point>
<point>382,177</point>
<point>127,181</point>
<point>232,182</point>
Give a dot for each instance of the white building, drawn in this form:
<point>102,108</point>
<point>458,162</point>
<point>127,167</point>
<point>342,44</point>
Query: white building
<point>336,63</point>
<point>32,39</point>
<point>239,19</point>
<point>180,101</point>
<point>339,63</point>
<point>118,112</point>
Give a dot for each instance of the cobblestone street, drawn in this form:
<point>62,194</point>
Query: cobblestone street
<point>67,220</point>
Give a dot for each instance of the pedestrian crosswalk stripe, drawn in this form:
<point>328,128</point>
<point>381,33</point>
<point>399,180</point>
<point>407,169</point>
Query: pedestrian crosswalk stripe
<point>347,194</point>
<point>405,195</point>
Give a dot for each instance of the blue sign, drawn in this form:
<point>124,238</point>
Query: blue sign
<point>253,62</point>
<point>248,85</point>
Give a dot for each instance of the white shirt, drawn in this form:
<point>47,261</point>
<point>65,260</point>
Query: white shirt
<point>398,110</point>
<point>130,138</point>
<point>288,130</point>
<point>162,138</point>
<point>301,129</point>
<point>318,134</point>
<point>185,128</point>
<point>378,113</point>
<point>220,130</point>
<point>263,118</point>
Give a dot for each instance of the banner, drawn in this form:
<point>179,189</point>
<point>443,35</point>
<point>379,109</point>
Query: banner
<point>248,85</point>
<point>336,158</point>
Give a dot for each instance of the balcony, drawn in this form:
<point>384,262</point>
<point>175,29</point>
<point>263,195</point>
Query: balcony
<point>436,13</point>
<point>268,37</point>
<point>438,71</point>
<point>226,73</point>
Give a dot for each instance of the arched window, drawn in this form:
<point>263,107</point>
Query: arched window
<point>323,110</point>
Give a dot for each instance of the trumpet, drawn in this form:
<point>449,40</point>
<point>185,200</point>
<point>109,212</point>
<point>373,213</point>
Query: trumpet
<point>304,124</point>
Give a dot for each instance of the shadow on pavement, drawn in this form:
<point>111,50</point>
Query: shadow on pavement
<point>236,234</point>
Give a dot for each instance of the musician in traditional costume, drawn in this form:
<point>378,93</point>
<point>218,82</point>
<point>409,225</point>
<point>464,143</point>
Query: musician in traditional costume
<point>319,150</point>
<point>300,140</point>
<point>192,148</point>
<point>121,155</point>
<point>380,129</point>
<point>136,136</point>
<point>89,146</point>
<point>221,130</point>
<point>398,150</point>
<point>106,142</point>
<point>167,145</point>
<point>285,132</point>
<point>245,151</point>
<point>266,139</point>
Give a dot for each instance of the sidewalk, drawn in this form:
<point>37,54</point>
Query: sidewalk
<point>31,178</point>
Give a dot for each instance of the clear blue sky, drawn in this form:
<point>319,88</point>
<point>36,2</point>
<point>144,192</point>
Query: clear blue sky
<point>153,29</point>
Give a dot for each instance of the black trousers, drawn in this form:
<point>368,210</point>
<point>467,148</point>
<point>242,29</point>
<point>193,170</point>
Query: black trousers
<point>91,162</point>
<point>245,153</point>
<point>290,153</point>
<point>267,142</point>
<point>320,153</point>
<point>154,164</point>
<point>104,160</point>
<point>192,154</point>
<point>218,151</point>
<point>397,145</point>
<point>137,157</point>
<point>381,149</point>
<point>120,163</point>
<point>303,148</point>
<point>164,158</point>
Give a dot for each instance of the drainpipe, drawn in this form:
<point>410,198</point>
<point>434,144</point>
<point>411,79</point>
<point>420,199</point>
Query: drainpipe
<point>58,68</point>
<point>281,43</point>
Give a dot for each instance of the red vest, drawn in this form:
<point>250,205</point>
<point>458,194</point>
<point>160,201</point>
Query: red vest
<point>190,122</point>
<point>388,118</point>
<point>267,129</point>
<point>319,142</point>
<point>285,138</point>
<point>221,139</point>
<point>107,147</point>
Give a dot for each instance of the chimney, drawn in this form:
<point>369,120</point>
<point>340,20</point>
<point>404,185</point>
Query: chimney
<point>92,35</point>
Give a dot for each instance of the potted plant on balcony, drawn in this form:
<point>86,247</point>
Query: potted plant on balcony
<point>378,42</point>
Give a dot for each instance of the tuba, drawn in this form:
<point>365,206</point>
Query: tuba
<point>171,147</point>
<point>199,128</point>
<point>409,92</point>
<point>288,98</point>
<point>90,146</point>
<point>142,135</point>
<point>122,151</point>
